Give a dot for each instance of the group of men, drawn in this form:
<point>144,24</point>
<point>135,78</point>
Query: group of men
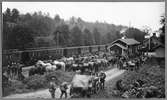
<point>97,81</point>
<point>126,63</point>
<point>98,77</point>
<point>14,71</point>
<point>52,88</point>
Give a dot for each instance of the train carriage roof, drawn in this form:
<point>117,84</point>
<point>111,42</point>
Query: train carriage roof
<point>45,49</point>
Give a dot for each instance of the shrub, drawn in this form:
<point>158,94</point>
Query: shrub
<point>14,87</point>
<point>150,73</point>
<point>35,82</point>
<point>60,76</point>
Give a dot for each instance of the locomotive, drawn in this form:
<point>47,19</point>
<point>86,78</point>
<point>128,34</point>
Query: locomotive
<point>30,56</point>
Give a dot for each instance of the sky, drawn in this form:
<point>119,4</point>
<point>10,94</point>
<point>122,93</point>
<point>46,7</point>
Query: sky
<point>133,14</point>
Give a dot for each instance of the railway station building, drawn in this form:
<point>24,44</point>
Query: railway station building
<point>124,47</point>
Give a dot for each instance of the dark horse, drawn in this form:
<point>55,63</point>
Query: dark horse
<point>37,70</point>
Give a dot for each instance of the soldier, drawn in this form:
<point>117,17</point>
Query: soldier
<point>102,79</point>
<point>12,70</point>
<point>20,72</point>
<point>17,69</point>
<point>95,80</point>
<point>137,64</point>
<point>8,71</point>
<point>63,88</point>
<point>90,86</point>
<point>52,87</point>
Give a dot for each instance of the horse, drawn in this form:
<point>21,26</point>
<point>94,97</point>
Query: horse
<point>59,65</point>
<point>104,62</point>
<point>74,67</point>
<point>51,68</point>
<point>112,60</point>
<point>91,65</point>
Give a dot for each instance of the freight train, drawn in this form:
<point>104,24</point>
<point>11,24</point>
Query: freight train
<point>30,56</point>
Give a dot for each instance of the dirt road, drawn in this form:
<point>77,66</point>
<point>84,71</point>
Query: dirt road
<point>113,73</point>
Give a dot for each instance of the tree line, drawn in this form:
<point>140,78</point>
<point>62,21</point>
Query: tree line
<point>21,31</point>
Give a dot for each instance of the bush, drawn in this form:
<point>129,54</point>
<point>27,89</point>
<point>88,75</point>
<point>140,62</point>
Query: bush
<point>35,82</point>
<point>14,87</point>
<point>61,76</point>
<point>41,81</point>
<point>150,73</point>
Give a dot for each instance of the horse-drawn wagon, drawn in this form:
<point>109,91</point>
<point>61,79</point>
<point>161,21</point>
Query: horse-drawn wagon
<point>80,86</point>
<point>86,84</point>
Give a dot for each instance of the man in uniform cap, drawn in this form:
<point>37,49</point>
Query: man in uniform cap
<point>63,88</point>
<point>52,87</point>
<point>102,76</point>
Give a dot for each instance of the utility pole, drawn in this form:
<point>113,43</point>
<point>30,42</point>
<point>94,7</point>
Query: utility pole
<point>149,43</point>
<point>57,38</point>
<point>129,26</point>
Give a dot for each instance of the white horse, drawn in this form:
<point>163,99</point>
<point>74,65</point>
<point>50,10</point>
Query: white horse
<point>40,62</point>
<point>51,68</point>
<point>70,58</point>
<point>62,64</point>
<point>48,66</point>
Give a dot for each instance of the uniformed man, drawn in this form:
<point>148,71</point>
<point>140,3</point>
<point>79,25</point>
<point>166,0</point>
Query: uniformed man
<point>8,71</point>
<point>95,80</point>
<point>102,76</point>
<point>20,72</point>
<point>63,88</point>
<point>52,87</point>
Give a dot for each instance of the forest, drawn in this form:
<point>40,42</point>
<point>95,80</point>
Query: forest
<point>22,31</point>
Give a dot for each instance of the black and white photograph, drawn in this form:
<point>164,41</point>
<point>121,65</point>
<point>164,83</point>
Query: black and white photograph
<point>53,50</point>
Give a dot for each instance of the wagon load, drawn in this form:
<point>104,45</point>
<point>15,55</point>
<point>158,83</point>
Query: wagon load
<point>79,85</point>
<point>81,81</point>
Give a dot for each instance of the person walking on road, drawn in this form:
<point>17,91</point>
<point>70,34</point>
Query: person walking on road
<point>63,88</point>
<point>52,87</point>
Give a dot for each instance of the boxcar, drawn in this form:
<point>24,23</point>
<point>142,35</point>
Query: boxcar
<point>71,51</point>
<point>9,58</point>
<point>84,49</point>
<point>30,56</point>
<point>94,48</point>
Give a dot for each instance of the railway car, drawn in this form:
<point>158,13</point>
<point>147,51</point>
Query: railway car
<point>84,49</point>
<point>8,57</point>
<point>102,48</point>
<point>55,53</point>
<point>94,49</point>
<point>69,51</point>
<point>30,56</point>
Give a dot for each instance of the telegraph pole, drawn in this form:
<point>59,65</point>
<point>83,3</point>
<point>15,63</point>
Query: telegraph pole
<point>57,38</point>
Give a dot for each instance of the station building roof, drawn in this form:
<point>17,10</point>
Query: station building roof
<point>119,45</point>
<point>128,41</point>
